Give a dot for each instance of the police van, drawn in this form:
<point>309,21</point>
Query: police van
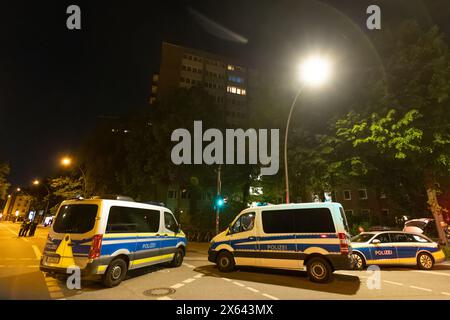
<point>107,236</point>
<point>287,236</point>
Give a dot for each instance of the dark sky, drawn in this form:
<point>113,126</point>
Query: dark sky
<point>55,83</point>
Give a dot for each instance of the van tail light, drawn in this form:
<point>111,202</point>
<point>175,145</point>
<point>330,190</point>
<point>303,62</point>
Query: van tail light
<point>343,243</point>
<point>96,246</point>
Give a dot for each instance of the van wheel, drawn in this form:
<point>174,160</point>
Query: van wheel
<point>116,272</point>
<point>424,261</point>
<point>225,261</point>
<point>177,258</point>
<point>319,270</point>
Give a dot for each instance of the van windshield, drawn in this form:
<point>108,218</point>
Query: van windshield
<point>75,218</point>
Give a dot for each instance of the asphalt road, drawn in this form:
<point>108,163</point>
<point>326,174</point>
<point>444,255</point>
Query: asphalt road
<point>197,278</point>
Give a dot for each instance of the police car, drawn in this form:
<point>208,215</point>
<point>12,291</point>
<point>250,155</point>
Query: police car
<point>395,248</point>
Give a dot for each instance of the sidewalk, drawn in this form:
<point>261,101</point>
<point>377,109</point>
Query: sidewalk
<point>197,250</point>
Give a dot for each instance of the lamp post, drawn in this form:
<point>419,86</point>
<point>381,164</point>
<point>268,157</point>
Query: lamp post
<point>36,182</point>
<point>67,162</point>
<point>314,71</point>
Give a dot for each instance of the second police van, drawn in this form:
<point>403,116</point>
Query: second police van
<point>288,236</point>
<point>106,237</point>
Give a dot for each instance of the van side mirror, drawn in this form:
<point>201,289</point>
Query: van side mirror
<point>376,241</point>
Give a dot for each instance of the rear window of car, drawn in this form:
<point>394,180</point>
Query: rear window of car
<point>308,220</point>
<point>75,218</point>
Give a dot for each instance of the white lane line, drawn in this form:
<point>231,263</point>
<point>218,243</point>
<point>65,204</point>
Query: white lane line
<point>239,284</point>
<point>164,298</point>
<point>178,285</point>
<point>189,280</point>
<point>433,272</point>
<point>251,289</point>
<point>420,288</point>
<point>2,265</point>
<point>188,265</point>
<point>269,296</point>
<point>226,279</point>
<point>392,282</point>
<point>445,293</point>
<point>197,276</point>
<point>32,266</point>
<point>37,252</point>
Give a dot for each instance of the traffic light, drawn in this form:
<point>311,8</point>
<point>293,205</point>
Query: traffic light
<point>219,201</point>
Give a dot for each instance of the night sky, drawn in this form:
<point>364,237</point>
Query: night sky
<point>55,83</point>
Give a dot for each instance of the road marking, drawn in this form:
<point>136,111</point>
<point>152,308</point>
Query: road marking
<point>433,272</point>
<point>199,275</point>
<point>178,285</point>
<point>445,293</point>
<point>420,288</point>
<point>188,265</point>
<point>33,266</point>
<point>239,284</point>
<point>189,280</point>
<point>164,298</point>
<point>269,296</point>
<point>252,289</point>
<point>392,282</point>
<point>226,279</point>
<point>37,252</point>
<point>2,266</point>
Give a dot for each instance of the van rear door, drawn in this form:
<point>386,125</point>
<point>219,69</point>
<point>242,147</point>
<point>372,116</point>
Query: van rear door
<point>71,236</point>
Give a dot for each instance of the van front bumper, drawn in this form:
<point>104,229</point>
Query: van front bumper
<point>212,256</point>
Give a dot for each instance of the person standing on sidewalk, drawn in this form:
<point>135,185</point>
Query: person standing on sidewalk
<point>33,227</point>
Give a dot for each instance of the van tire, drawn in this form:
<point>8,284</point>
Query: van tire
<point>116,272</point>
<point>225,261</point>
<point>177,258</point>
<point>319,270</point>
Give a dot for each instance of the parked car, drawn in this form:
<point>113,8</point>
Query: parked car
<point>395,248</point>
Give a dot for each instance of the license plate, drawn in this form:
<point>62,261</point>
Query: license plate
<point>52,259</point>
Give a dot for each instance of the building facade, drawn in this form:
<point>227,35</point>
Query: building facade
<point>230,83</point>
<point>17,207</point>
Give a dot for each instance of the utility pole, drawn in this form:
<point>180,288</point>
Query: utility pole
<point>219,191</point>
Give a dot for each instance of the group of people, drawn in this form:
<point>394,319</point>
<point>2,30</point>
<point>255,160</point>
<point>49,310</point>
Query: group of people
<point>28,227</point>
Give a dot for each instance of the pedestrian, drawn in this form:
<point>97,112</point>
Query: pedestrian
<point>33,227</point>
<point>22,228</point>
<point>26,228</point>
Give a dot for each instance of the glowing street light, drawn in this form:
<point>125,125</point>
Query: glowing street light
<point>314,71</point>
<point>67,162</point>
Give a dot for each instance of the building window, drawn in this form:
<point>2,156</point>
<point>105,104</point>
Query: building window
<point>172,194</point>
<point>347,195</point>
<point>348,212</point>
<point>385,212</point>
<point>230,67</point>
<point>365,212</point>
<point>184,194</point>
<point>383,195</point>
<point>362,193</point>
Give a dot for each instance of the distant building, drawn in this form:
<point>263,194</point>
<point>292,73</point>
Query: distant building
<point>227,80</point>
<point>17,206</point>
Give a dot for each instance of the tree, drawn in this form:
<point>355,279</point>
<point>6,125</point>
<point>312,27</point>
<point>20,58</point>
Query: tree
<point>4,185</point>
<point>409,128</point>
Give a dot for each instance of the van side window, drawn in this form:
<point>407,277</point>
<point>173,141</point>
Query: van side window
<point>246,222</point>
<point>308,220</point>
<point>170,222</point>
<point>129,220</point>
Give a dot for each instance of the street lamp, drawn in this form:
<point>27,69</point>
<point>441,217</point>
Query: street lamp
<point>67,162</point>
<point>36,182</point>
<point>313,72</point>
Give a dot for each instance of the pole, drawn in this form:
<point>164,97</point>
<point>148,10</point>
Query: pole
<point>286,173</point>
<point>219,190</point>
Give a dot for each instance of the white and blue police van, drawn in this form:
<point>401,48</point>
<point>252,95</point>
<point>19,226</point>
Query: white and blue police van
<point>107,236</point>
<point>286,236</point>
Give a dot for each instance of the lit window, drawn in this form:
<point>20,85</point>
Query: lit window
<point>233,89</point>
<point>243,92</point>
<point>230,67</point>
<point>238,91</point>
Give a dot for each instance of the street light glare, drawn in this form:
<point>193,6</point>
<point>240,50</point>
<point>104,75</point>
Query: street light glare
<point>66,161</point>
<point>315,70</point>
<point>36,182</point>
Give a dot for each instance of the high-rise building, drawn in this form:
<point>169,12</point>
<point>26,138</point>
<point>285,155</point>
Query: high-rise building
<point>230,82</point>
